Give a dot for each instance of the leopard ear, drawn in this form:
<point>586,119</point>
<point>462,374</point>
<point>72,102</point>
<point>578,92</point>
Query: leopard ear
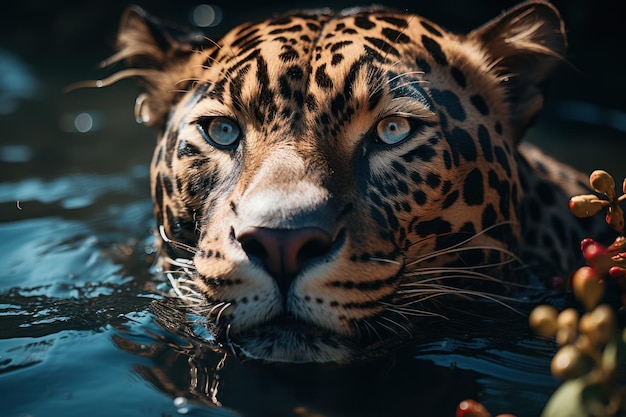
<point>525,45</point>
<point>153,51</point>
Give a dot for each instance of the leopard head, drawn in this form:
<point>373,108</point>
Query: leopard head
<point>324,181</point>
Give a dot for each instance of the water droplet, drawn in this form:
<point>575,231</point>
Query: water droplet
<point>206,15</point>
<point>181,405</point>
<point>83,122</point>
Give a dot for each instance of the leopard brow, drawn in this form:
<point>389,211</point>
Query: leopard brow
<point>402,86</point>
<point>198,95</point>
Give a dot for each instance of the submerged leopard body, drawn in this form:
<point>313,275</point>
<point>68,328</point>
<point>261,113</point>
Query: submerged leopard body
<point>324,181</point>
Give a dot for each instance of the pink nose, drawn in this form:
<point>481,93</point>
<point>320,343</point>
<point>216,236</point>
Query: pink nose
<point>284,253</point>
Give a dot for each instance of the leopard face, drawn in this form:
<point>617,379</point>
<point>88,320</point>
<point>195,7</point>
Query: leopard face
<point>323,181</point>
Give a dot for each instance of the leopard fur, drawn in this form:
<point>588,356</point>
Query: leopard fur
<point>323,181</point>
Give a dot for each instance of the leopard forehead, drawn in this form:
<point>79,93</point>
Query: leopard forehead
<point>324,65</point>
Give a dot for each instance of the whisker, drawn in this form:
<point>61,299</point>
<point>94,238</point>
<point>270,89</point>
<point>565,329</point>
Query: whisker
<point>391,310</point>
<point>390,329</point>
<point>231,53</point>
<point>404,29</point>
<point>402,310</point>
<point>117,57</point>
<point>455,272</point>
<point>219,315</point>
<point>215,307</point>
<point>472,236</point>
<point>180,262</point>
<point>398,87</point>
<point>229,342</point>
<point>184,292</point>
<point>448,268</point>
<point>369,327</point>
<point>405,74</point>
<point>403,114</point>
<point>112,79</point>
<point>455,246</point>
<point>208,57</point>
<point>478,276</point>
<point>187,80</point>
<point>176,244</point>
<point>441,290</point>
<point>395,323</point>
<point>358,329</point>
<point>383,260</point>
<point>376,79</point>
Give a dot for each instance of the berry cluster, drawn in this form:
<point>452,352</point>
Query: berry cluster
<point>592,350</point>
<point>588,205</point>
<point>582,339</point>
<point>602,261</point>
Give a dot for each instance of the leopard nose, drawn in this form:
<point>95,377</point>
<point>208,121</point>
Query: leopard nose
<point>284,253</point>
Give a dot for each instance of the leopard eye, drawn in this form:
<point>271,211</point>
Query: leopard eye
<point>220,132</point>
<point>394,129</point>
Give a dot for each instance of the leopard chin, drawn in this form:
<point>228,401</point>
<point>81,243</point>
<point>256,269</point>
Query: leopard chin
<point>294,344</point>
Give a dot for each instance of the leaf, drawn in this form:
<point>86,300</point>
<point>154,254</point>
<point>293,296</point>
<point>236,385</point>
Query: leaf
<point>567,401</point>
<point>614,353</point>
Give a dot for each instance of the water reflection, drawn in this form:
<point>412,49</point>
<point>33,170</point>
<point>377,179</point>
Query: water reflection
<point>15,153</point>
<point>16,82</point>
<point>426,379</point>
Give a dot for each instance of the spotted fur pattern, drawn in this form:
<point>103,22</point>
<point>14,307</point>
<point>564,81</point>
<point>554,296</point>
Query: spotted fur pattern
<point>323,181</point>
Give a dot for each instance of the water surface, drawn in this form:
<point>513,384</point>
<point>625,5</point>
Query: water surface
<point>82,327</point>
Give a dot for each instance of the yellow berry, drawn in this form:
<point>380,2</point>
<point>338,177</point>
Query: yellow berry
<point>568,318</point>
<point>599,324</point>
<point>566,335</point>
<point>588,287</point>
<point>586,346</point>
<point>615,218</point>
<point>586,205</point>
<point>543,320</point>
<point>603,183</point>
<point>568,363</point>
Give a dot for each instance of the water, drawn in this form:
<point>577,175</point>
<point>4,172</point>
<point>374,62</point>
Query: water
<point>83,329</point>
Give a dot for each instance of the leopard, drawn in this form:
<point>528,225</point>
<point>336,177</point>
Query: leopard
<point>324,182</point>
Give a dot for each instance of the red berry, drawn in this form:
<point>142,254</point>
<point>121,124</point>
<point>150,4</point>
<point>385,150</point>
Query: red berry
<point>471,408</point>
<point>556,283</point>
<point>617,273</point>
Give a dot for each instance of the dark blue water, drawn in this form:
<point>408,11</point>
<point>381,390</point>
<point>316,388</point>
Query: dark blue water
<point>84,329</point>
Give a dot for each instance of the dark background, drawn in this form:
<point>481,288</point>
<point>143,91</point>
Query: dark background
<point>71,36</point>
<point>63,42</point>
